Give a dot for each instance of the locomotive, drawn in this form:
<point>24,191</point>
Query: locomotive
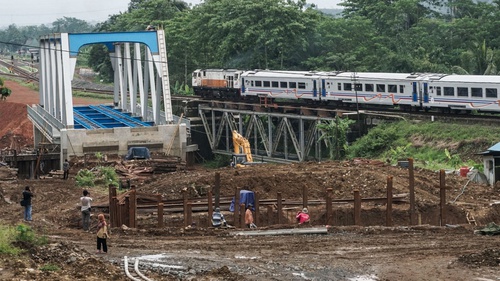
<point>447,93</point>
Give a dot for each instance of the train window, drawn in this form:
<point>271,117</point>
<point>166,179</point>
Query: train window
<point>392,88</point>
<point>283,85</point>
<point>293,85</point>
<point>251,83</point>
<point>491,93</point>
<point>347,87</point>
<point>401,89</point>
<point>204,73</point>
<point>448,91</point>
<point>358,87</point>
<point>381,88</point>
<point>275,84</point>
<point>302,85</point>
<point>267,84</point>
<point>462,92</point>
<point>339,86</point>
<point>368,87</point>
<point>258,83</point>
<point>438,91</point>
<point>476,92</point>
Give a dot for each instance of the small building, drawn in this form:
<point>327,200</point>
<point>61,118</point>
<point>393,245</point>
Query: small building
<point>491,163</point>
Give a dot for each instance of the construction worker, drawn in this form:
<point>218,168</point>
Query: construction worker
<point>218,218</point>
<point>249,217</point>
<point>66,169</point>
<point>302,216</point>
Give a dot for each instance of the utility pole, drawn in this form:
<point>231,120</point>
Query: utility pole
<point>357,103</point>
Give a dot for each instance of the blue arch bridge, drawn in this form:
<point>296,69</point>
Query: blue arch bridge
<point>135,118</point>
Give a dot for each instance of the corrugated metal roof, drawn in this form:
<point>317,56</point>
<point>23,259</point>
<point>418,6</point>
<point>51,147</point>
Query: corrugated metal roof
<point>495,147</point>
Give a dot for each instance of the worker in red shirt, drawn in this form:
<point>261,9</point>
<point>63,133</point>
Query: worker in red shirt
<point>302,216</point>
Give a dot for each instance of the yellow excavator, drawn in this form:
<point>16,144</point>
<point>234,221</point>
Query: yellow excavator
<point>242,155</point>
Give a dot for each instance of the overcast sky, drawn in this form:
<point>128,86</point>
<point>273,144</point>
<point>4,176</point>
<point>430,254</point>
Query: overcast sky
<point>36,12</point>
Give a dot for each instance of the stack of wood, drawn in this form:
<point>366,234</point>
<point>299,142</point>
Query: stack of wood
<point>142,169</point>
<point>142,198</point>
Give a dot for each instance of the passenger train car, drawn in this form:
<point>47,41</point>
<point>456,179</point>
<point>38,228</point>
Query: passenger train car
<point>408,91</point>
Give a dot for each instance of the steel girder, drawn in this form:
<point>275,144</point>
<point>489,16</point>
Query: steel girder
<point>288,138</point>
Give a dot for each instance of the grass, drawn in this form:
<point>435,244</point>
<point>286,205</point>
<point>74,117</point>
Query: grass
<point>92,95</point>
<point>9,236</point>
<point>428,143</point>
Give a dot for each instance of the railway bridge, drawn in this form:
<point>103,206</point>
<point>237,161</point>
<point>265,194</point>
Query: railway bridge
<point>141,112</point>
<point>275,133</point>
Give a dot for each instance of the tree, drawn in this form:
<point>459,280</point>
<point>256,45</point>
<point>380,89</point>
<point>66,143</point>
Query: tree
<point>252,34</point>
<point>71,25</point>
<point>4,91</point>
<point>334,133</point>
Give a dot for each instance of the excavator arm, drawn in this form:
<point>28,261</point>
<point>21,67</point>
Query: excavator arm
<point>241,147</point>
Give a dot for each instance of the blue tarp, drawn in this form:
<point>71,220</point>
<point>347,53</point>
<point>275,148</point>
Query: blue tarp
<point>137,153</point>
<point>246,197</point>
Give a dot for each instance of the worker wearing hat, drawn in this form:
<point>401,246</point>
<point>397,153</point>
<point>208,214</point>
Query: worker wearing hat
<point>218,218</point>
<point>302,216</point>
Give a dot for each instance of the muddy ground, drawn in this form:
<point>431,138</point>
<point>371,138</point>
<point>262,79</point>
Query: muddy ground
<point>346,252</point>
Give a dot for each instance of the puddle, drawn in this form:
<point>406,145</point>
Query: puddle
<point>364,278</point>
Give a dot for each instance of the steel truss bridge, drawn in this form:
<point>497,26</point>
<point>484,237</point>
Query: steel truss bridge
<point>273,136</point>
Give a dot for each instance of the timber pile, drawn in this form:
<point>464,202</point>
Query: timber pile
<point>142,169</point>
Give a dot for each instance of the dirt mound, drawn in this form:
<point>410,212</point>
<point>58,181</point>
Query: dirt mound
<point>488,257</point>
<point>16,130</point>
<point>59,261</point>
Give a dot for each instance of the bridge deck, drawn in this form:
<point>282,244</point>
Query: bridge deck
<point>105,117</point>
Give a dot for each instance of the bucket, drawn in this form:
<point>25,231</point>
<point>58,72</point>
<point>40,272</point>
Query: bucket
<point>464,171</point>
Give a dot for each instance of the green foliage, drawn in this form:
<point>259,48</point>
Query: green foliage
<point>71,25</point>
<point>4,91</point>
<point>27,234</point>
<point>428,141</point>
<point>85,177</point>
<point>99,156</point>
<point>92,95</point>
<point>399,153</point>
<point>100,175</point>
<point>108,175</point>
<point>377,141</point>
<point>453,160</point>
<point>411,36</point>
<point>50,267</point>
<point>334,133</point>
<point>7,237</point>
<point>218,162</point>
<point>182,89</point>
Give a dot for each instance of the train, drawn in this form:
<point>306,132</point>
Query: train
<point>446,93</point>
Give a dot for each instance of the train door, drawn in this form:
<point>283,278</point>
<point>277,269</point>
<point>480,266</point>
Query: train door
<point>426,93</point>
<point>414,92</point>
<point>196,79</point>
<point>323,88</point>
<point>315,89</point>
<point>230,81</point>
